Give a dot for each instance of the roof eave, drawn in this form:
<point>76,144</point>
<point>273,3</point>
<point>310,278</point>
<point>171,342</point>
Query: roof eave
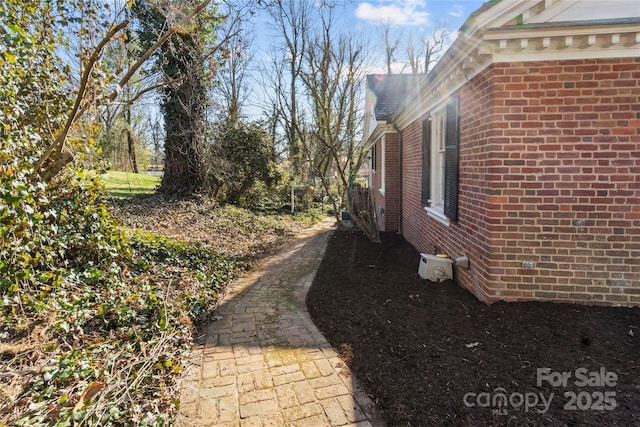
<point>382,128</point>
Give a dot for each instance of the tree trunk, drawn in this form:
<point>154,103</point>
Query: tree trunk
<point>334,202</point>
<point>184,106</point>
<point>131,142</point>
<point>184,122</point>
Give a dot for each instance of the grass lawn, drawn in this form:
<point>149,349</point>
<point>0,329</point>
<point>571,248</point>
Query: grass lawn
<point>122,185</point>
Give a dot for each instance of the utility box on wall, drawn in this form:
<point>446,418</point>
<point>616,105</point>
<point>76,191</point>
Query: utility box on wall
<point>435,268</point>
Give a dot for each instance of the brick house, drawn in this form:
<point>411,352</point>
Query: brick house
<point>385,94</point>
<point>521,150</point>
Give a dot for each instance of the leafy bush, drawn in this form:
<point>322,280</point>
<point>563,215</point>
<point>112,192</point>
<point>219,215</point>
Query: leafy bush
<point>44,226</point>
<point>94,324</point>
<point>47,230</point>
<point>240,163</point>
<point>115,339</point>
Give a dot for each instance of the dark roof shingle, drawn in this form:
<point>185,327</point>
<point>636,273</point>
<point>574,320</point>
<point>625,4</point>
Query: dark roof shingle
<point>389,91</point>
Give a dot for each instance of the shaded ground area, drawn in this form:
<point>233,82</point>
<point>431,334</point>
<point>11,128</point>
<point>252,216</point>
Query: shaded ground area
<point>421,350</point>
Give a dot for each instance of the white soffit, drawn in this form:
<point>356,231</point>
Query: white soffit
<point>584,10</point>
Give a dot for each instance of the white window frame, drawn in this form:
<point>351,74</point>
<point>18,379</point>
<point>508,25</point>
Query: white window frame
<point>382,166</point>
<point>437,177</point>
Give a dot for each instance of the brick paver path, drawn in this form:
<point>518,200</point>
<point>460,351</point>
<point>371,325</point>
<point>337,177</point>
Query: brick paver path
<point>264,363</point>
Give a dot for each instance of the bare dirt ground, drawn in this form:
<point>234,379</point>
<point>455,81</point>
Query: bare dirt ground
<point>432,354</point>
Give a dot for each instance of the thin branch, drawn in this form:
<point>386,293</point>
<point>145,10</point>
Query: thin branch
<point>95,56</point>
<point>77,112</point>
<point>145,56</point>
<point>146,90</point>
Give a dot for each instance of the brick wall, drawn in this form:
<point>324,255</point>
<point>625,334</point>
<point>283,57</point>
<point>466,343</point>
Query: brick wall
<point>378,198</point>
<point>550,174</point>
<point>391,182</point>
<point>470,235</point>
<point>564,180</point>
<point>387,216</point>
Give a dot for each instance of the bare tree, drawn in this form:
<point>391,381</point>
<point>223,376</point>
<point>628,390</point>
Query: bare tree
<point>334,73</point>
<point>413,55</point>
<point>291,20</point>
<point>232,89</point>
<point>316,81</point>
<point>232,75</point>
<point>390,45</point>
<point>426,51</point>
<point>131,139</point>
<point>131,145</point>
<point>434,45</point>
<point>153,130</point>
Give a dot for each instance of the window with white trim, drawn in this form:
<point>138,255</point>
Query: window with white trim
<point>382,166</point>
<point>437,159</point>
<point>440,146</point>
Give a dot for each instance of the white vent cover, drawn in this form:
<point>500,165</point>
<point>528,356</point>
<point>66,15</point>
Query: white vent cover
<point>434,268</point>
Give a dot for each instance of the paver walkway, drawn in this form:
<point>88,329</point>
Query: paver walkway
<point>263,362</point>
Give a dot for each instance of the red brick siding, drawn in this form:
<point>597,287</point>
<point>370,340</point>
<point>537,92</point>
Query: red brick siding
<point>565,180</point>
<point>391,179</point>
<point>378,198</point>
<point>469,236</point>
<point>388,216</point>
<point>550,173</point>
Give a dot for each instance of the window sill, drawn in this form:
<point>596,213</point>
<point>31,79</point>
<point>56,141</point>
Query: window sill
<point>437,213</point>
<point>381,191</point>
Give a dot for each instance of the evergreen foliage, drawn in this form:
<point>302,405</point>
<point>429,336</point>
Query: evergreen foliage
<point>95,324</point>
<point>241,163</point>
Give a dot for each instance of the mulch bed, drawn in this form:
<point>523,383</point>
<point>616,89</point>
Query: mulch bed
<point>421,349</point>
